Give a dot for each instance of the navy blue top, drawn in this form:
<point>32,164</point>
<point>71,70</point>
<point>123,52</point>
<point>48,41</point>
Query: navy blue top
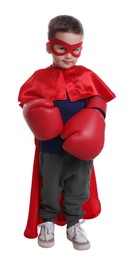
<point>67,109</point>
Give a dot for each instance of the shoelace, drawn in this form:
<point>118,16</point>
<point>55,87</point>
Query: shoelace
<point>79,231</point>
<point>46,230</point>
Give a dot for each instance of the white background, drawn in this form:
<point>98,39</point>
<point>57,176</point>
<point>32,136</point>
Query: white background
<point>108,50</point>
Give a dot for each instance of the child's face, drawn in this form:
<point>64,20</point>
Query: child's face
<point>64,56</point>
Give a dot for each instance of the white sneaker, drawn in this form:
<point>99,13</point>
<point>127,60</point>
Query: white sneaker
<point>46,236</point>
<point>76,234</point>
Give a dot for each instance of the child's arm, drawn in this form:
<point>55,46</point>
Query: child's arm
<point>43,119</point>
<point>84,132</point>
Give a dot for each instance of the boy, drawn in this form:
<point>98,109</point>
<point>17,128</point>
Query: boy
<point>65,106</point>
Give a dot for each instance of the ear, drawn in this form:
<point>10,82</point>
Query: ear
<point>48,49</point>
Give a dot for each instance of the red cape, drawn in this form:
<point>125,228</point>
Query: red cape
<point>53,84</point>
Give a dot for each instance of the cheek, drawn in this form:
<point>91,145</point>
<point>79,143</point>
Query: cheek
<point>75,60</point>
<point>57,58</point>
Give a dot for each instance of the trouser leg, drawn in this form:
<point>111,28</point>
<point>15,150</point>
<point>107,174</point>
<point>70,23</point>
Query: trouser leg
<point>76,188</point>
<point>50,169</point>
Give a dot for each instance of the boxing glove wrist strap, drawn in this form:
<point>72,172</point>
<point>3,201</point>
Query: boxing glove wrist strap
<point>99,103</point>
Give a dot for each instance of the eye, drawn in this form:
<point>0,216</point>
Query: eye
<point>77,50</point>
<point>59,48</point>
<point>62,48</point>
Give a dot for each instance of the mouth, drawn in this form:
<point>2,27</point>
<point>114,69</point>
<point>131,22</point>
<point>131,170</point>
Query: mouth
<point>67,62</point>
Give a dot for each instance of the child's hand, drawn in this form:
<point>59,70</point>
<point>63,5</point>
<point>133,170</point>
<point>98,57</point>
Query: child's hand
<point>43,119</point>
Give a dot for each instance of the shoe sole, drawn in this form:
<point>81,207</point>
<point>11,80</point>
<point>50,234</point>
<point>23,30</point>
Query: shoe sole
<point>79,246</point>
<point>45,244</point>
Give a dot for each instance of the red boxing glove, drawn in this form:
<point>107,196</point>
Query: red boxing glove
<point>43,118</point>
<point>84,132</point>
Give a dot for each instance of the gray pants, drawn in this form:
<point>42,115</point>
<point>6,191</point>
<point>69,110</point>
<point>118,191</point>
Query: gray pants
<point>69,175</point>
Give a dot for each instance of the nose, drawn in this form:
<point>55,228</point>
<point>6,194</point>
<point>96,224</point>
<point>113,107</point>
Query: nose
<point>68,55</point>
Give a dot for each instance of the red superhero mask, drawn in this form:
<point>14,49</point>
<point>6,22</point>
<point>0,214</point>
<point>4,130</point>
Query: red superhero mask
<point>60,48</point>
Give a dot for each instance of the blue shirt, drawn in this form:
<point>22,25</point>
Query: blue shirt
<point>67,109</point>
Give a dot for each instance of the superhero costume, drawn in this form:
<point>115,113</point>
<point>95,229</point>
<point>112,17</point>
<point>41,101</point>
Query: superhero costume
<point>55,84</point>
